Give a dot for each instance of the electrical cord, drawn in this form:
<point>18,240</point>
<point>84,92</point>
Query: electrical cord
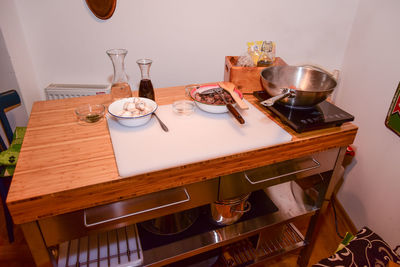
<point>334,212</point>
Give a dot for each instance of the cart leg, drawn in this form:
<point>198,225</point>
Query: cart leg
<point>36,244</point>
<point>315,221</point>
<point>310,238</point>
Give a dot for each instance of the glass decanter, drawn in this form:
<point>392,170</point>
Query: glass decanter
<point>146,87</point>
<point>120,87</point>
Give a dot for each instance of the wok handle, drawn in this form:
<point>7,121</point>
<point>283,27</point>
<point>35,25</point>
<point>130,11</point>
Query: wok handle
<point>235,113</point>
<point>270,101</point>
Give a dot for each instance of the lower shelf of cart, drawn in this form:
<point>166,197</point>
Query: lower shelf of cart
<point>290,204</point>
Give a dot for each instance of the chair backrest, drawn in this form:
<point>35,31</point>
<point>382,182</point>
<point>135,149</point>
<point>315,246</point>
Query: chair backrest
<point>8,100</point>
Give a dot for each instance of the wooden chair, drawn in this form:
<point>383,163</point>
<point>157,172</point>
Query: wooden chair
<point>9,154</point>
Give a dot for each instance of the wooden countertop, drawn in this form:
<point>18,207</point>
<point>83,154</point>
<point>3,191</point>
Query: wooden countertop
<point>64,167</point>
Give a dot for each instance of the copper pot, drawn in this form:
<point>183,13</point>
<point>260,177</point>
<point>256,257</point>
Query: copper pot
<point>226,212</point>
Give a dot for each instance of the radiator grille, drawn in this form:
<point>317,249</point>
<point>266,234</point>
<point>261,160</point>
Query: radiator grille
<point>61,91</point>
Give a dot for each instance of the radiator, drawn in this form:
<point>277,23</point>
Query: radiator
<point>60,91</point>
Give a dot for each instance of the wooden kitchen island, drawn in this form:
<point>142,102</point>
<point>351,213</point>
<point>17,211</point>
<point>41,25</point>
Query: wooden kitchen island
<point>65,169</point>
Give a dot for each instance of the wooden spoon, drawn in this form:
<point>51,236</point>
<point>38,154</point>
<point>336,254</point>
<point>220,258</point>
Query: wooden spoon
<point>230,88</point>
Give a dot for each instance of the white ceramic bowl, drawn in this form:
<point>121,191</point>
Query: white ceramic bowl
<point>212,108</point>
<point>117,106</point>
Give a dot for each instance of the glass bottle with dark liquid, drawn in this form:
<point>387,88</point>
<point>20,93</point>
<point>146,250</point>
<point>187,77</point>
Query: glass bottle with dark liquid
<point>146,87</point>
<point>120,87</point>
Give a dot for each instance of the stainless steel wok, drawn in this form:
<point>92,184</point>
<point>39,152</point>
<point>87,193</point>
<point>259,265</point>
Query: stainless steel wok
<point>294,86</point>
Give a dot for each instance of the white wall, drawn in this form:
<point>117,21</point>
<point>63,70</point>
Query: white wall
<point>16,48</point>
<point>187,39</point>
<point>371,73</point>
<point>17,116</point>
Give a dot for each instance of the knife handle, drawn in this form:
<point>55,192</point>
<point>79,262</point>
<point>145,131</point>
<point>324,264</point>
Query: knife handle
<point>235,113</point>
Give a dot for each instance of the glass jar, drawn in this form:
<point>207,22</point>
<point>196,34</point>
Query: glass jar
<point>120,87</point>
<point>146,87</point>
<point>267,54</point>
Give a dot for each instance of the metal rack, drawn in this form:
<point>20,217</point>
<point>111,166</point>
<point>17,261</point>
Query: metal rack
<point>287,238</point>
<point>118,247</point>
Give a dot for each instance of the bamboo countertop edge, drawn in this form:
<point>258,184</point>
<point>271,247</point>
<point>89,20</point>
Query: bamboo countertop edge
<point>120,187</point>
<point>27,207</point>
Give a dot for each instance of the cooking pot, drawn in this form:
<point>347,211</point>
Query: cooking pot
<point>226,212</point>
<point>171,224</point>
<point>297,86</point>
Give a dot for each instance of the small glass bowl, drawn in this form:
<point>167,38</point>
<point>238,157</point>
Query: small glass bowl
<point>183,107</point>
<point>90,113</point>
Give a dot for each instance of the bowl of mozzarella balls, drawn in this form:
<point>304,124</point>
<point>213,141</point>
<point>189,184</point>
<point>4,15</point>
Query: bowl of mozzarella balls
<point>132,111</point>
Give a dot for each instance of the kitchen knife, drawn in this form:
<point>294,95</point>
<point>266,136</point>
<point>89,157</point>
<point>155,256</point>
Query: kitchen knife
<point>231,109</point>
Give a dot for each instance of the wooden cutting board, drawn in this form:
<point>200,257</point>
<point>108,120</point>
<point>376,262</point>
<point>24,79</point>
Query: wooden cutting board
<point>200,136</point>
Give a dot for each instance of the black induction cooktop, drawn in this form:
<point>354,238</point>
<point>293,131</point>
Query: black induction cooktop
<point>320,116</point>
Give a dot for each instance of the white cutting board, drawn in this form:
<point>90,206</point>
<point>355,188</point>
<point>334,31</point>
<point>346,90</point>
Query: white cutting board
<point>198,137</point>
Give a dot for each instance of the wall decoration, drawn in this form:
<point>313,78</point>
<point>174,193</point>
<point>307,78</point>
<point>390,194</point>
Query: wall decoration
<point>393,117</point>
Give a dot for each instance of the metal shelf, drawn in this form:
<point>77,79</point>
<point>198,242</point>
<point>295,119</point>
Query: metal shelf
<point>290,239</point>
<point>242,253</point>
<point>288,197</point>
<point>120,247</point>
